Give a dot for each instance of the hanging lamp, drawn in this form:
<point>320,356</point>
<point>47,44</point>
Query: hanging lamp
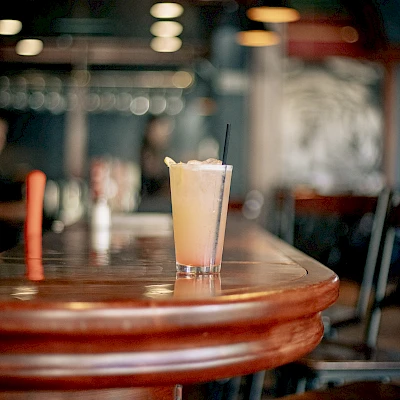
<point>273,12</point>
<point>254,33</point>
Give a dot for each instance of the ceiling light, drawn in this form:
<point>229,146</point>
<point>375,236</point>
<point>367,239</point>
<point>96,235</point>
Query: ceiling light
<point>166,28</point>
<point>257,38</point>
<point>10,26</point>
<point>254,33</point>
<point>166,10</point>
<point>140,105</point>
<point>273,14</point>
<point>182,79</point>
<point>349,34</point>
<point>166,44</point>
<point>174,105</point>
<point>29,47</point>
<point>158,104</point>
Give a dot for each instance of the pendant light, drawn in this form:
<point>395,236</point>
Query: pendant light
<point>273,12</point>
<point>254,33</point>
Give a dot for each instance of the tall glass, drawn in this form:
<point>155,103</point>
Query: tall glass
<point>200,196</point>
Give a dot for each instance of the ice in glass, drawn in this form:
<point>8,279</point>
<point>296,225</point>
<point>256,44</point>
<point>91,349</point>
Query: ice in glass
<point>200,196</point>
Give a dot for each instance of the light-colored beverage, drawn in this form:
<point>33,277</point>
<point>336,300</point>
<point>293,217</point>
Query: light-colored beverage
<point>200,196</point>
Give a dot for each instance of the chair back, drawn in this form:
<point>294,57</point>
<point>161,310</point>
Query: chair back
<point>290,203</point>
<point>374,248</point>
<point>388,238</point>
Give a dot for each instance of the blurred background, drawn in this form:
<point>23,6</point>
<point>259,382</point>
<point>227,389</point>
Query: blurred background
<point>96,92</point>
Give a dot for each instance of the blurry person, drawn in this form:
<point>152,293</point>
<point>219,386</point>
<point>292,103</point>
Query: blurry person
<point>155,192</point>
<point>12,204</point>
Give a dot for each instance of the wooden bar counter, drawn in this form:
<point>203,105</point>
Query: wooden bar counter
<point>106,309</point>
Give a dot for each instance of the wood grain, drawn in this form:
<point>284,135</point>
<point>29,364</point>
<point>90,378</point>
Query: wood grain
<point>123,318</point>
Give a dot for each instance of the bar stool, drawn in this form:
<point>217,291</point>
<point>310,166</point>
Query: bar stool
<point>336,362</point>
<point>288,204</point>
<point>338,315</point>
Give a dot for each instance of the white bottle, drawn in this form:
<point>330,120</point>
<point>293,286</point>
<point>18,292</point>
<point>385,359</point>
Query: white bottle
<point>101,214</point>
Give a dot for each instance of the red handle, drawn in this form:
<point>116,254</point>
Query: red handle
<point>35,185</point>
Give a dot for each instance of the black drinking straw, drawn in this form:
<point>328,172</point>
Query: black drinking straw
<point>224,155</point>
<point>226,144</point>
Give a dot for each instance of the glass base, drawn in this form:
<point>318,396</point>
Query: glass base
<point>192,269</point>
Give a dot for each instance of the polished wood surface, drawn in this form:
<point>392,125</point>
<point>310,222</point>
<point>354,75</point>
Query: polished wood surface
<point>105,311</point>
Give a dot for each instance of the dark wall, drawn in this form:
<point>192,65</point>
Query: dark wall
<point>35,141</point>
